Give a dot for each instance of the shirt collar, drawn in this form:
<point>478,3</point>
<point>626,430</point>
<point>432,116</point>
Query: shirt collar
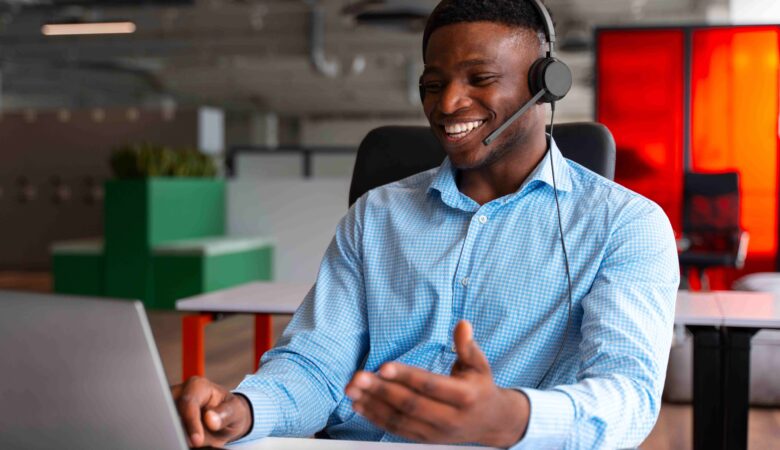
<point>444,179</point>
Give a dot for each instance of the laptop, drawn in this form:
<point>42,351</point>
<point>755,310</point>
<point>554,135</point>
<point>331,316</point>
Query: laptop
<point>82,373</point>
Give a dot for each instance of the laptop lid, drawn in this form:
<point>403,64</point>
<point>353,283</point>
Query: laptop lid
<point>82,373</point>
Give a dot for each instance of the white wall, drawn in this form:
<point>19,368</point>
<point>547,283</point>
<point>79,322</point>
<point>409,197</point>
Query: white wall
<point>300,216</point>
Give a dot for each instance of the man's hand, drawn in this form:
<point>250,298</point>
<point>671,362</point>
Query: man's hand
<point>467,406</point>
<point>210,413</point>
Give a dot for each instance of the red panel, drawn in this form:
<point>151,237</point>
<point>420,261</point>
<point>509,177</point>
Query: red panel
<point>735,125</point>
<point>640,99</point>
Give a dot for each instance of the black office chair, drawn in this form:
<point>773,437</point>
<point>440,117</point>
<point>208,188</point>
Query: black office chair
<point>712,236</point>
<point>389,154</point>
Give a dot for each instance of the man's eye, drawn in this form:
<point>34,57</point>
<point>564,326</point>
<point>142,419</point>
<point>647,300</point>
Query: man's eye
<point>483,80</point>
<point>432,87</point>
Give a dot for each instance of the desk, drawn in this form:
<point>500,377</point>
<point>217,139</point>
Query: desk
<point>259,298</point>
<point>721,360</point>
<point>722,324</point>
<point>327,444</point>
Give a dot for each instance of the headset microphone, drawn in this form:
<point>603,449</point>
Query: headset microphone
<point>495,134</point>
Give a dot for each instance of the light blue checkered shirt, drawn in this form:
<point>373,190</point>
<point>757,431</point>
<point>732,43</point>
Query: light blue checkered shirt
<point>412,258</point>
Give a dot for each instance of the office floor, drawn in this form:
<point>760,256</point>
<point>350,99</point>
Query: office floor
<point>229,358</point>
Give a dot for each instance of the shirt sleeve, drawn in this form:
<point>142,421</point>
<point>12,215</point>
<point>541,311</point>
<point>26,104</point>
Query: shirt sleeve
<point>627,323</point>
<point>302,379</point>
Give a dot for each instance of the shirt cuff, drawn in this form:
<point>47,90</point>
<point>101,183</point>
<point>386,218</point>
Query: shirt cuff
<point>264,413</point>
<point>550,420</point>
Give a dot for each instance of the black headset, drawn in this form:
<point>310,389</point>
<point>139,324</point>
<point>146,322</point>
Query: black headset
<point>548,74</point>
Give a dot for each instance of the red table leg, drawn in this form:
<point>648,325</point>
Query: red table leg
<point>193,351</point>
<point>263,336</point>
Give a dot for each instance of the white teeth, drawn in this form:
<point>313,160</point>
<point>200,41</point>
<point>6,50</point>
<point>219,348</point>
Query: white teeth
<point>460,128</point>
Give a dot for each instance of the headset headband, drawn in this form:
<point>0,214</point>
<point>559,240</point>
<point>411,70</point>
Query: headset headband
<point>549,29</point>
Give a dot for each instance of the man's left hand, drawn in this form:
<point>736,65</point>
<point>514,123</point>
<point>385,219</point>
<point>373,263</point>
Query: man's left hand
<point>466,406</point>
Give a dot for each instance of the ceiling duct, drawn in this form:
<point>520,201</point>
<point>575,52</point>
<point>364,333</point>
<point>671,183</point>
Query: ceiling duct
<point>398,15</point>
<point>327,67</point>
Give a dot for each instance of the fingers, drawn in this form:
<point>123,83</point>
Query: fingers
<point>366,388</point>
<point>223,416</point>
<point>191,398</point>
<point>452,391</point>
<point>389,418</point>
<point>470,357</point>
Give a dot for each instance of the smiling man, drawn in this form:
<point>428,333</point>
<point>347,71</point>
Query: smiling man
<point>441,311</point>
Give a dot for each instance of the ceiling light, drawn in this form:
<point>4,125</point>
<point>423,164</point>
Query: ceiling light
<point>71,29</point>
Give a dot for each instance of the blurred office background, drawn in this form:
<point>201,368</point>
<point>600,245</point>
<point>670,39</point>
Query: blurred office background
<point>279,93</point>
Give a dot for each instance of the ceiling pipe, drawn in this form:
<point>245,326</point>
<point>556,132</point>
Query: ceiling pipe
<point>324,66</point>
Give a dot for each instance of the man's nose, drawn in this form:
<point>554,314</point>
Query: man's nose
<point>453,98</point>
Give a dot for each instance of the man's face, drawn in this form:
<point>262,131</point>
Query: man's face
<point>476,77</point>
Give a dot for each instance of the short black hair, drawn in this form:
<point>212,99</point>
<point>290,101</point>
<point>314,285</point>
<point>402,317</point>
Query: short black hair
<point>514,13</point>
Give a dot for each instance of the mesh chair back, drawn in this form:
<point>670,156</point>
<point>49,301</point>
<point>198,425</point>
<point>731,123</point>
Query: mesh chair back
<point>711,211</point>
<point>711,202</point>
<point>389,154</point>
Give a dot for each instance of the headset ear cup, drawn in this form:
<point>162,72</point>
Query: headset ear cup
<point>557,79</point>
<point>552,75</point>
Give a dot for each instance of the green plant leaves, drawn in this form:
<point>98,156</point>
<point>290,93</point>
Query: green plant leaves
<point>148,160</point>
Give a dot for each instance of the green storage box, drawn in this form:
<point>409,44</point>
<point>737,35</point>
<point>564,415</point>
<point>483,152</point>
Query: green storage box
<point>77,267</point>
<point>140,214</point>
<point>186,268</point>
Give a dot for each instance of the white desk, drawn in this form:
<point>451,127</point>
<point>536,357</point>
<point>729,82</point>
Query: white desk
<point>697,308</point>
<point>264,297</point>
<point>259,298</point>
<point>723,324</point>
<point>326,444</point>
<point>749,309</point>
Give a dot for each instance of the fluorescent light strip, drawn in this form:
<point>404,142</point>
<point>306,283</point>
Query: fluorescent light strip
<point>71,29</point>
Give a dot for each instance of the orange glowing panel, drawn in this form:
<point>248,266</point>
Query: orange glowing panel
<point>735,124</point>
<point>640,99</point>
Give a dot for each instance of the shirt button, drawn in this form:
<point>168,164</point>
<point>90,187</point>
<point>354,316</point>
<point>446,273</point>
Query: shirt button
<point>465,281</point>
<point>482,219</point>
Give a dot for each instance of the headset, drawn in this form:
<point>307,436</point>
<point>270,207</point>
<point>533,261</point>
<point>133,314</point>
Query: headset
<point>549,79</point>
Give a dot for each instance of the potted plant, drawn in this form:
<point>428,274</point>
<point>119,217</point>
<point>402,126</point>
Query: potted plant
<point>159,194</point>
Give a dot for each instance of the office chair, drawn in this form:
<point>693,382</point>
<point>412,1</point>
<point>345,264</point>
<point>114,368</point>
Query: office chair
<point>712,236</point>
<point>389,154</point>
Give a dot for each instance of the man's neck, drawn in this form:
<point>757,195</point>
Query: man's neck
<point>503,177</point>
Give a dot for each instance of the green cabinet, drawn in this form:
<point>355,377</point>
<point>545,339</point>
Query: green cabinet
<point>164,240</point>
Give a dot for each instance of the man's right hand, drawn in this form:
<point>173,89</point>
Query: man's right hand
<point>211,414</point>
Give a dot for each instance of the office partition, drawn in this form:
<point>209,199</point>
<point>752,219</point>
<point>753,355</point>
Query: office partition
<point>702,99</point>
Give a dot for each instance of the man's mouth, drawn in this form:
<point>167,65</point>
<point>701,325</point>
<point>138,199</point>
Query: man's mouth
<point>460,130</point>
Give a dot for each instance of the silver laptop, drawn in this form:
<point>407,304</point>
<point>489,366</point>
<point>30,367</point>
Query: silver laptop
<point>83,374</point>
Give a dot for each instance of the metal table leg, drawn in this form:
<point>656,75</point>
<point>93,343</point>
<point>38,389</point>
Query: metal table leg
<point>736,384</point>
<point>193,348</point>
<point>708,404</point>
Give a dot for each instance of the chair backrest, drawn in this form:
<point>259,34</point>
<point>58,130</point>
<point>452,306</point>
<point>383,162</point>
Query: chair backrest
<point>711,202</point>
<point>389,154</point>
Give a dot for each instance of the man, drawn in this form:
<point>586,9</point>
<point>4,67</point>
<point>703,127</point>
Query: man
<point>442,301</point>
